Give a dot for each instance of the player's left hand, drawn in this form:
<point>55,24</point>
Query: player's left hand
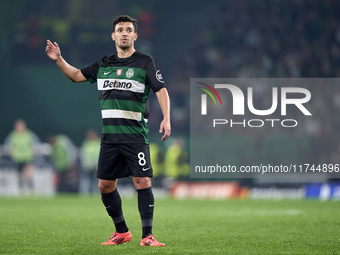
<point>165,125</point>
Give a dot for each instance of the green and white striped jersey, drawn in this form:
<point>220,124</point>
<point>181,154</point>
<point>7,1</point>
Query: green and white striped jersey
<point>123,87</point>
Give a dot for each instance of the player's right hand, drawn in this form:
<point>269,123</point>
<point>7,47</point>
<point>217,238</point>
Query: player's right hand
<point>53,50</point>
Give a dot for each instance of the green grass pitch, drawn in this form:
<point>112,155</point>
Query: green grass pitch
<point>77,225</point>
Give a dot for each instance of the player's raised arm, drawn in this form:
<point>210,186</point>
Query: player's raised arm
<point>164,102</point>
<point>54,53</point>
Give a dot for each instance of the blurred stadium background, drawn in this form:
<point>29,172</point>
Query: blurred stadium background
<point>246,38</point>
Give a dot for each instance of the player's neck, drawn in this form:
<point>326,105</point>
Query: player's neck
<point>125,53</point>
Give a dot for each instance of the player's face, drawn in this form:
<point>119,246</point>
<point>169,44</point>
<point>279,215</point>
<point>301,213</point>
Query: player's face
<point>124,35</point>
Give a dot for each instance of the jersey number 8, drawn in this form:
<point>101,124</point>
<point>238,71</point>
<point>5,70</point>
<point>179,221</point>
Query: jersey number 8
<point>141,157</point>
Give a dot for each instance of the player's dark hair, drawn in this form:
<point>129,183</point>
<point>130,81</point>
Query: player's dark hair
<point>124,18</point>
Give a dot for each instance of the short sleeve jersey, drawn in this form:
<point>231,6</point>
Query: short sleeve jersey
<point>123,87</point>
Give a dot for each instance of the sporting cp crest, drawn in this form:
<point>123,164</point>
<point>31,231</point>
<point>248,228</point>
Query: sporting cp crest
<point>129,73</point>
<point>119,71</point>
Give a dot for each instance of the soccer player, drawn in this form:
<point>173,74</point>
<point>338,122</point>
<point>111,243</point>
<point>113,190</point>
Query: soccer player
<point>123,82</point>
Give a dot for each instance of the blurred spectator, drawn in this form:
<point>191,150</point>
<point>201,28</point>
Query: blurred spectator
<point>176,161</point>
<point>89,161</point>
<point>20,144</point>
<point>64,155</point>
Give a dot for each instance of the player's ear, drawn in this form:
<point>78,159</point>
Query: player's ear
<point>113,36</point>
<point>136,35</point>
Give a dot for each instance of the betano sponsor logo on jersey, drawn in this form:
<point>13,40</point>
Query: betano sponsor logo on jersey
<point>116,84</point>
<point>121,84</point>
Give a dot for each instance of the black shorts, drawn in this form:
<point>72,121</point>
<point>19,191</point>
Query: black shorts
<point>123,160</point>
